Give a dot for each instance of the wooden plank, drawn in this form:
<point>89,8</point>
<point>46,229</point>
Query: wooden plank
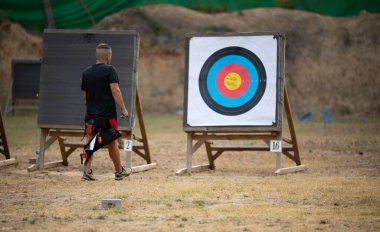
<point>287,140</point>
<point>235,137</point>
<point>247,148</point>
<point>138,147</point>
<point>290,156</point>
<point>74,129</point>
<point>32,168</point>
<point>53,164</point>
<point>139,152</point>
<point>228,129</point>
<point>64,127</point>
<point>217,154</point>
<point>50,141</point>
<point>293,169</point>
<point>195,169</point>
<point>236,133</point>
<point>4,145</point>
<point>64,133</point>
<point>197,145</point>
<point>73,144</point>
<point>137,139</point>
<point>24,107</point>
<point>144,167</point>
<point>8,162</point>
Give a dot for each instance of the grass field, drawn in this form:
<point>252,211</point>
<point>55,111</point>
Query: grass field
<point>339,190</point>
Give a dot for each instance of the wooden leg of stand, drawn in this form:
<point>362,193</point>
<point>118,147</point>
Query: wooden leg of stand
<point>209,155</point>
<point>3,140</point>
<point>41,154</point>
<point>64,154</point>
<point>9,102</point>
<point>291,127</point>
<point>142,128</point>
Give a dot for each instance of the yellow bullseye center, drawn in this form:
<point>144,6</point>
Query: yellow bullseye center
<point>232,81</point>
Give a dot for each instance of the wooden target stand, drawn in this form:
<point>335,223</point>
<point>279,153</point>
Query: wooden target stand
<point>60,111</point>
<point>289,145</point>
<point>24,85</point>
<point>208,57</point>
<point>50,135</point>
<point>4,146</point>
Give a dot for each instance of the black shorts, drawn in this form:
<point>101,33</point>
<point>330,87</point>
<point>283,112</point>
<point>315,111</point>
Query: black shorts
<point>94,125</point>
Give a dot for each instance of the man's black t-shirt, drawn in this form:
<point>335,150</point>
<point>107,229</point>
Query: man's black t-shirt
<point>96,81</point>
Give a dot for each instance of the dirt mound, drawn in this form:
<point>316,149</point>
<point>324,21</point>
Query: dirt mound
<point>15,43</point>
<point>331,63</point>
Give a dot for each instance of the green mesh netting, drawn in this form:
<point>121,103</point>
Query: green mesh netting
<point>84,13</point>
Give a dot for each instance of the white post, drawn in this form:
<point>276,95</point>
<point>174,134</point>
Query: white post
<point>278,160</point>
<point>128,152</point>
<point>189,152</point>
<point>276,147</point>
<point>128,159</point>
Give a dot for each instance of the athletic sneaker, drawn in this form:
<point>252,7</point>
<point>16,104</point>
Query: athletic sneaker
<point>123,173</point>
<point>88,176</point>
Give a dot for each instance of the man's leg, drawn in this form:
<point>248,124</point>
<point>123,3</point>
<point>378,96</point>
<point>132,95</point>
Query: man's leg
<point>87,166</point>
<point>114,153</point>
<point>87,172</point>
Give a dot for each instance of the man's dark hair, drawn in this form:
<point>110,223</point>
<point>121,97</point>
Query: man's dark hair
<point>102,49</point>
<point>103,46</point>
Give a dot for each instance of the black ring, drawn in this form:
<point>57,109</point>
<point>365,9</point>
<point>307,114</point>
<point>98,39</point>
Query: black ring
<point>204,75</point>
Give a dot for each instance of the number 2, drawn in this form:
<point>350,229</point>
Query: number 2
<point>128,145</point>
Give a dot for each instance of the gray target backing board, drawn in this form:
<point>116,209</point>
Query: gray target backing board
<point>66,54</point>
<point>26,78</point>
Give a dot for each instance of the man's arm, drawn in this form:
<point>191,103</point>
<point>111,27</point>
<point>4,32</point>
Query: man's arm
<point>116,93</point>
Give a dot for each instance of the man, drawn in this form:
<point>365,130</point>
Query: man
<point>101,93</point>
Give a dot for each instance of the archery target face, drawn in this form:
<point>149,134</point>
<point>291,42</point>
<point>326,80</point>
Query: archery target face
<point>232,81</point>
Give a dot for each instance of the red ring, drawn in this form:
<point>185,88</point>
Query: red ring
<point>232,94</point>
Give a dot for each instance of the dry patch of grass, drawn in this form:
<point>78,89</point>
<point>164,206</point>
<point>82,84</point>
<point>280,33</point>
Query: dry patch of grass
<point>338,191</point>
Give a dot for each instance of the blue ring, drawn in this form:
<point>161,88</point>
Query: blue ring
<point>253,81</point>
